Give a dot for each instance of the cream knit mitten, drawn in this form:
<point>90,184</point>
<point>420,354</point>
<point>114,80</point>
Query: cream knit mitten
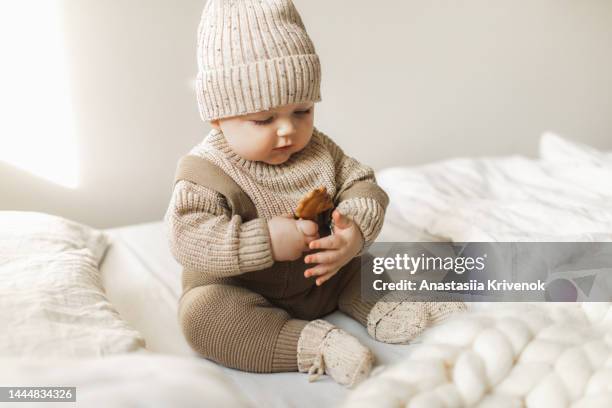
<point>324,348</point>
<point>401,321</point>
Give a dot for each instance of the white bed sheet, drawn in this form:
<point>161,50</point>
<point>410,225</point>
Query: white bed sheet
<point>142,280</point>
<point>136,379</point>
<point>461,200</point>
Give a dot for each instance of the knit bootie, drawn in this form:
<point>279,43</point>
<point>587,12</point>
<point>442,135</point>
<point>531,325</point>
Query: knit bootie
<point>324,348</point>
<point>439,311</point>
<point>399,322</point>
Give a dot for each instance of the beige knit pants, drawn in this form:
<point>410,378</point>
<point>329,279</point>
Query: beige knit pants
<point>240,328</point>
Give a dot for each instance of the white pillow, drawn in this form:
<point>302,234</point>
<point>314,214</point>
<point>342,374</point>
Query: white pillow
<point>25,232</point>
<point>52,303</point>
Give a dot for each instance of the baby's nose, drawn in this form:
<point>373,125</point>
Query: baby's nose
<point>286,128</point>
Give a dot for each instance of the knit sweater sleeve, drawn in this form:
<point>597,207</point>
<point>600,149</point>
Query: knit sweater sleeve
<point>358,196</point>
<point>202,234</point>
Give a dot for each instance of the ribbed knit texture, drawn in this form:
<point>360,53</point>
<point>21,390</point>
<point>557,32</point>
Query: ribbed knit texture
<point>202,235</point>
<point>253,55</point>
<point>232,326</point>
<point>352,303</point>
<point>340,354</point>
<point>397,322</point>
<point>311,341</point>
<point>242,329</point>
<point>395,319</point>
<point>440,311</point>
<point>285,351</point>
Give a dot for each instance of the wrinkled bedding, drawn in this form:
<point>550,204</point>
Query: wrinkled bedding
<point>60,329</point>
<point>506,354</point>
<point>494,355</point>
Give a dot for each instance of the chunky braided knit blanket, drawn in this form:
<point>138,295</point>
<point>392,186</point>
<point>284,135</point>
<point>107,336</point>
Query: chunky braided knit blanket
<point>504,355</point>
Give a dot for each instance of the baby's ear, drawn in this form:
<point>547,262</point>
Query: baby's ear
<point>215,124</point>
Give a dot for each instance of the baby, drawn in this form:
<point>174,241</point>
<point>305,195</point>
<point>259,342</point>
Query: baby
<point>256,281</point>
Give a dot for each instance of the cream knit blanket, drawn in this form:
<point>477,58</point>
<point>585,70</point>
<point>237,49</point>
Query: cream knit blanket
<point>505,355</point>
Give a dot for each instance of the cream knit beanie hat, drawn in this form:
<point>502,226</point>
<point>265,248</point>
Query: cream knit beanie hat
<point>253,55</point>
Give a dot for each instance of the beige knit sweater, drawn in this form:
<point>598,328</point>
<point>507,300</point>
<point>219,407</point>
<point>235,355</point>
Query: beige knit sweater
<point>203,235</point>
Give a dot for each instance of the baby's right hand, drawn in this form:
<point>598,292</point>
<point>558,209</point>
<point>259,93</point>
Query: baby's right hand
<point>289,238</point>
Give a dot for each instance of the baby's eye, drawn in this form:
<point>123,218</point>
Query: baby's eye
<point>263,122</point>
<point>302,112</point>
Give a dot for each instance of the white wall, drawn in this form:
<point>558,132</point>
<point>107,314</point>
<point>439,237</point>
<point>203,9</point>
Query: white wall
<point>408,83</point>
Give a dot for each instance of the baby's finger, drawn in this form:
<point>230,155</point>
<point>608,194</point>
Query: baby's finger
<point>317,270</point>
<point>328,256</point>
<point>340,220</point>
<point>328,242</point>
<point>308,240</point>
<point>307,227</point>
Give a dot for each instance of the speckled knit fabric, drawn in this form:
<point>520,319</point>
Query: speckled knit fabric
<point>253,55</point>
<point>324,348</point>
<point>203,236</point>
<point>242,329</point>
<point>239,307</point>
<point>239,329</point>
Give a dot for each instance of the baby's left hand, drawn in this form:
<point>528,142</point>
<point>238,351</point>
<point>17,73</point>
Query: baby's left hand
<point>340,248</point>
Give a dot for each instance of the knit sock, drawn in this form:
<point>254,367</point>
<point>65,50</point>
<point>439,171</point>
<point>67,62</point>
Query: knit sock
<point>439,311</point>
<point>398,321</point>
<point>324,348</point>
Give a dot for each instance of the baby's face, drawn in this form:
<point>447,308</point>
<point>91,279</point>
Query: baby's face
<point>271,136</point>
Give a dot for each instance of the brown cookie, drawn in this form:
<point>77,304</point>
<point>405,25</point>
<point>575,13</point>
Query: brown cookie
<point>314,203</point>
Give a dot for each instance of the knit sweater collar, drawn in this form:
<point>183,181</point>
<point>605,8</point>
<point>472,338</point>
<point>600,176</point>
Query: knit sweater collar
<point>217,140</point>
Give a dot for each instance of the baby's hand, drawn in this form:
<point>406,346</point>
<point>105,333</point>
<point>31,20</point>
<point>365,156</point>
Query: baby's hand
<point>340,248</point>
<point>289,238</point>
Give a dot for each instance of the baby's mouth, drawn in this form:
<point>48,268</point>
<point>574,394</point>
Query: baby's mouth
<point>282,148</point>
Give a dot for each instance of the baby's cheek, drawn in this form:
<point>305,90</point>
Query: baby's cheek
<point>252,150</point>
<point>263,146</point>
